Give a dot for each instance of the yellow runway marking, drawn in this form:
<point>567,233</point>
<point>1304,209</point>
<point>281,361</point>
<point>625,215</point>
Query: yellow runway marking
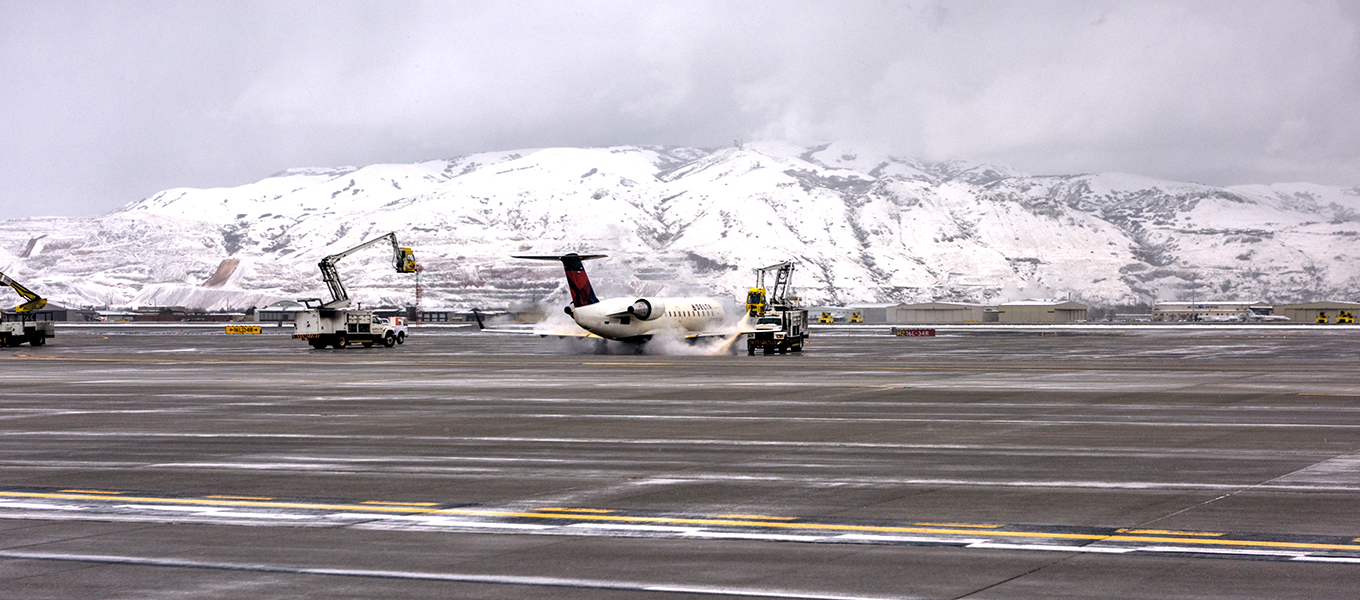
<point>208,502</point>
<point>985,526</point>
<point>815,526</point>
<point>1164,532</point>
<point>241,497</point>
<point>734,521</point>
<point>1262,544</point>
<point>400,503</point>
<point>578,510</point>
<point>768,518</point>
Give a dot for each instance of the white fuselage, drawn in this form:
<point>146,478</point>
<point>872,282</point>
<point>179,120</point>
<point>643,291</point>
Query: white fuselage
<point>610,319</point>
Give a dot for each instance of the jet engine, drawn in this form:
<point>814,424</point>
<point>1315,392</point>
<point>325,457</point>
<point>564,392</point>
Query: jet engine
<point>647,309</point>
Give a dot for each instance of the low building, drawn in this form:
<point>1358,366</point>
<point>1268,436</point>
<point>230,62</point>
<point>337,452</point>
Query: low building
<point>935,312</point>
<point>1318,312</point>
<point>1211,310</point>
<point>55,312</point>
<point>1041,311</point>
<point>456,316</point>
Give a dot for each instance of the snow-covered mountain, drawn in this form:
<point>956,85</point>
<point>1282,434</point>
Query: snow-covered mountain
<point>864,227</point>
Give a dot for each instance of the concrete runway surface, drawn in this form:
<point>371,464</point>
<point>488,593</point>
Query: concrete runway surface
<point>1133,462</point>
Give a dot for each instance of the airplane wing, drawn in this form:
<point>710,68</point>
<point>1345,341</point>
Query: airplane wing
<point>542,333</point>
<point>538,332</point>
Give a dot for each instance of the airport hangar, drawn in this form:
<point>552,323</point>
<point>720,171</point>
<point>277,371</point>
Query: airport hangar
<point>1317,312</point>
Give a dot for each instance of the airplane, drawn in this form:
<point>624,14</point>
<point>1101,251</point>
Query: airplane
<point>630,319</point>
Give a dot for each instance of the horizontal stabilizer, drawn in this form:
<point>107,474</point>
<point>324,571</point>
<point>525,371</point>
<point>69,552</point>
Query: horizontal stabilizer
<point>563,257</point>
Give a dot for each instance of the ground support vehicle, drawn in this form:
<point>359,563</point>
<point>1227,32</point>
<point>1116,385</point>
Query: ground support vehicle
<point>335,324</point>
<point>779,330</point>
<point>18,328</point>
<point>340,328</point>
<point>780,326</point>
<point>21,324</point>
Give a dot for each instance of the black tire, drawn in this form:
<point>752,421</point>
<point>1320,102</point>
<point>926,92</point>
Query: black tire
<point>389,340</point>
<point>38,339</point>
<point>401,337</point>
<point>340,341</point>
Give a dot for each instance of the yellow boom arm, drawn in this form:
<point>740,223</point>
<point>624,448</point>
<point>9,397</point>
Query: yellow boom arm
<point>33,301</point>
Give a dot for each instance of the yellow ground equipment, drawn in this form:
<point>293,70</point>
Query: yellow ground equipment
<point>755,302</point>
<point>826,318</point>
<point>855,317</point>
<point>20,324</point>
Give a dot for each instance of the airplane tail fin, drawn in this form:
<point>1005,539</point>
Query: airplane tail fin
<point>581,292</point>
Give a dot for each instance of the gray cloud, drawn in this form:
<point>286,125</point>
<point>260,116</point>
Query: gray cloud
<point>105,103</point>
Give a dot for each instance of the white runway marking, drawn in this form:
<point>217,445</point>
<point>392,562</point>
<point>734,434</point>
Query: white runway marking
<point>33,506</point>
<point>646,528</point>
<point>1329,559</point>
<point>561,582</point>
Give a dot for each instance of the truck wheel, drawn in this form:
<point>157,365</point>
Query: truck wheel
<point>340,341</point>
<point>401,337</point>
<point>389,340</point>
<point>317,344</point>
<point>37,340</point>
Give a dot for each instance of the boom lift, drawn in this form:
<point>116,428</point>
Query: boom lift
<point>19,325</point>
<point>781,326</point>
<point>334,324</point>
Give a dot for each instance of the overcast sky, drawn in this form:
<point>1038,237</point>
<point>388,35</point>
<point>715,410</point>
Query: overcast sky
<point>103,103</point>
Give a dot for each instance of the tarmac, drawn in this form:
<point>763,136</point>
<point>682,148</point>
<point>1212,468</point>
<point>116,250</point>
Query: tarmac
<point>984,462</point>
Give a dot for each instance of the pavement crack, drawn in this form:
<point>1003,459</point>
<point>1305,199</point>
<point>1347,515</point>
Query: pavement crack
<point>1241,490</point>
<point>1015,577</point>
